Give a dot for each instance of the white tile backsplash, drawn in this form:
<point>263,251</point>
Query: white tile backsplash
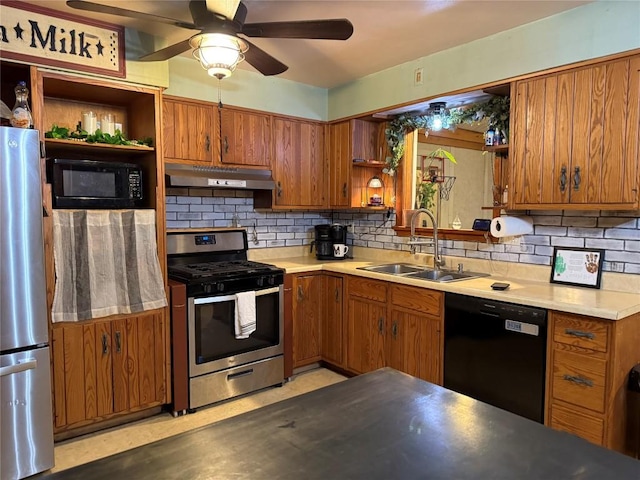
<point>618,233</point>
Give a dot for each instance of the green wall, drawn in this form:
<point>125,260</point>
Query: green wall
<point>247,89</point>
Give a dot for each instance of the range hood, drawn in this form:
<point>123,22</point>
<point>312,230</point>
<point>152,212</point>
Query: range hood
<point>179,175</point>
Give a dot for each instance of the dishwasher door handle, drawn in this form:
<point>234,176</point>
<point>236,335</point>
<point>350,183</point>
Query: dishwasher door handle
<point>489,314</point>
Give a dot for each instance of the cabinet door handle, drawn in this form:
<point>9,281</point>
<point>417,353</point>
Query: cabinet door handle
<point>105,344</point>
<point>225,144</point>
<point>394,330</point>
<point>579,333</point>
<point>279,189</point>
<point>563,179</point>
<point>118,342</point>
<point>381,325</point>
<point>300,293</point>
<point>207,142</point>
<point>337,295</point>
<point>578,380</point>
<point>576,179</point>
<point>344,190</point>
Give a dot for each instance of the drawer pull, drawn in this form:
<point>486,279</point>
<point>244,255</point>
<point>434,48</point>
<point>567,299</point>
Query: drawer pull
<point>381,326</point>
<point>580,334</point>
<point>578,380</point>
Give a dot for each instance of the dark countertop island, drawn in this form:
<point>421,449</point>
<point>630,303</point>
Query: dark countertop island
<point>382,425</point>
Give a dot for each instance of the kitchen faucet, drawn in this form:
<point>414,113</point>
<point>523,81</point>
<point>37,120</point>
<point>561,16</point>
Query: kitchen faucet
<point>414,242</point>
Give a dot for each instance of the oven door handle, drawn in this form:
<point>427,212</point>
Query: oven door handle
<point>232,298</point>
<point>217,299</point>
<point>267,291</point>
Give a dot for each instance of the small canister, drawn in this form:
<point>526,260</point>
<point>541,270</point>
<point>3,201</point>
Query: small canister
<point>489,136</point>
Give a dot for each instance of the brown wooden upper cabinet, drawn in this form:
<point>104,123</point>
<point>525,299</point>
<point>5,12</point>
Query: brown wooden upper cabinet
<point>339,156</point>
<point>245,138</point>
<point>298,167</point>
<point>361,144</point>
<point>190,131</point>
<point>575,138</point>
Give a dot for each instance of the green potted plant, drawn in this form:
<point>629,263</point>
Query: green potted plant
<point>425,194</point>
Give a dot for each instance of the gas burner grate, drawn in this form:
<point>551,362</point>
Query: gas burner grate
<point>221,269</point>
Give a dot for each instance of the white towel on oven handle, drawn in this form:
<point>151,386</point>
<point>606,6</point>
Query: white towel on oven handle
<point>245,319</point>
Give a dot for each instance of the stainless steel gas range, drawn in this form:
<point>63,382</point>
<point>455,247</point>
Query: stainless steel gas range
<point>219,281</point>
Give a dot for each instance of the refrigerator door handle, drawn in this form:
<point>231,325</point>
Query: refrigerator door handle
<point>21,366</point>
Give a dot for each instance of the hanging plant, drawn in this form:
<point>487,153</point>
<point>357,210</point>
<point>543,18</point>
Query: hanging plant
<point>398,128</point>
<point>495,110</point>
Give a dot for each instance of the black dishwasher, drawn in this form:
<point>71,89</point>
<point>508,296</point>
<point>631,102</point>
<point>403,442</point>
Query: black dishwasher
<point>495,352</point>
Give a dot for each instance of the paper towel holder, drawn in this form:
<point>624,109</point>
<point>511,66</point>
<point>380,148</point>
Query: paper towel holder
<point>511,226</point>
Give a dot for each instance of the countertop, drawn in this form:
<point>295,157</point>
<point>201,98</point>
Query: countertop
<point>380,425</point>
<point>610,305</point>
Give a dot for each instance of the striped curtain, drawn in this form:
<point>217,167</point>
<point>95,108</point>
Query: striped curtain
<point>106,262</point>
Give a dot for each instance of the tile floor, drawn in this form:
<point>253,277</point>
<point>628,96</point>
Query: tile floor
<point>87,448</point>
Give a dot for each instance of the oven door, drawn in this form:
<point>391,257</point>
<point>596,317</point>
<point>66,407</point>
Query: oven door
<point>213,345</point>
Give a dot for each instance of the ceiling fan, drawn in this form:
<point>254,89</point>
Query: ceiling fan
<point>218,46</point>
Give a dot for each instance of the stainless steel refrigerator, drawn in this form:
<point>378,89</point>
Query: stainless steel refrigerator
<point>26,423</point>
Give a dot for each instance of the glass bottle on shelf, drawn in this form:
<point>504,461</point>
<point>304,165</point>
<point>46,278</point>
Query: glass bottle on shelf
<point>21,114</point>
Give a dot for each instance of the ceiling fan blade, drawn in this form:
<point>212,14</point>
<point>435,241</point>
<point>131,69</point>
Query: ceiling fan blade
<point>167,52</point>
<point>263,62</point>
<point>227,8</point>
<point>332,29</point>
<point>123,12</point>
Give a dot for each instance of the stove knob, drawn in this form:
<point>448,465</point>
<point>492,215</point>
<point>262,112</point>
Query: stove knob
<point>220,287</point>
<point>206,288</point>
<point>272,280</point>
<point>260,281</point>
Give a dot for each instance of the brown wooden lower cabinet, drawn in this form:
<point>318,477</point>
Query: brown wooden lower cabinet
<point>366,326</point>
<point>317,319</point>
<point>332,327</point>
<point>308,312</point>
<point>108,367</point>
<point>393,325</point>
<point>589,361</point>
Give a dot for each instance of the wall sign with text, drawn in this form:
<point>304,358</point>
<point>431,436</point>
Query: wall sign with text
<point>42,36</point>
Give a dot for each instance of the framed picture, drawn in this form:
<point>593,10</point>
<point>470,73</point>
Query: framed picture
<point>432,168</point>
<point>581,267</point>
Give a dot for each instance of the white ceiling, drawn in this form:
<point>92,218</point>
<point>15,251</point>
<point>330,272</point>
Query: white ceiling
<point>386,32</point>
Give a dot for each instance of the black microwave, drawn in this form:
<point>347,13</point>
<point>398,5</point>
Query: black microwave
<point>94,184</point>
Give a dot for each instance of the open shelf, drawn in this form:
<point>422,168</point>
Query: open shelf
<point>494,207</point>
<point>370,164</point>
<point>85,145</point>
<point>55,142</point>
<point>496,148</point>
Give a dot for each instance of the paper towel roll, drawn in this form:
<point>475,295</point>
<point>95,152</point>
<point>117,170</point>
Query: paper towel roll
<point>511,226</point>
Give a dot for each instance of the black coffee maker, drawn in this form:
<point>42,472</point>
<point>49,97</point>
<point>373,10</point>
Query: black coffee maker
<point>326,235</point>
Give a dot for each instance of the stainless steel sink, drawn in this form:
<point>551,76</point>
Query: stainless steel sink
<point>394,268</point>
<point>444,276</point>
<point>423,273</point>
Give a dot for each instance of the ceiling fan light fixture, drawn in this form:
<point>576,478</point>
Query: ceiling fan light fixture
<point>218,53</point>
